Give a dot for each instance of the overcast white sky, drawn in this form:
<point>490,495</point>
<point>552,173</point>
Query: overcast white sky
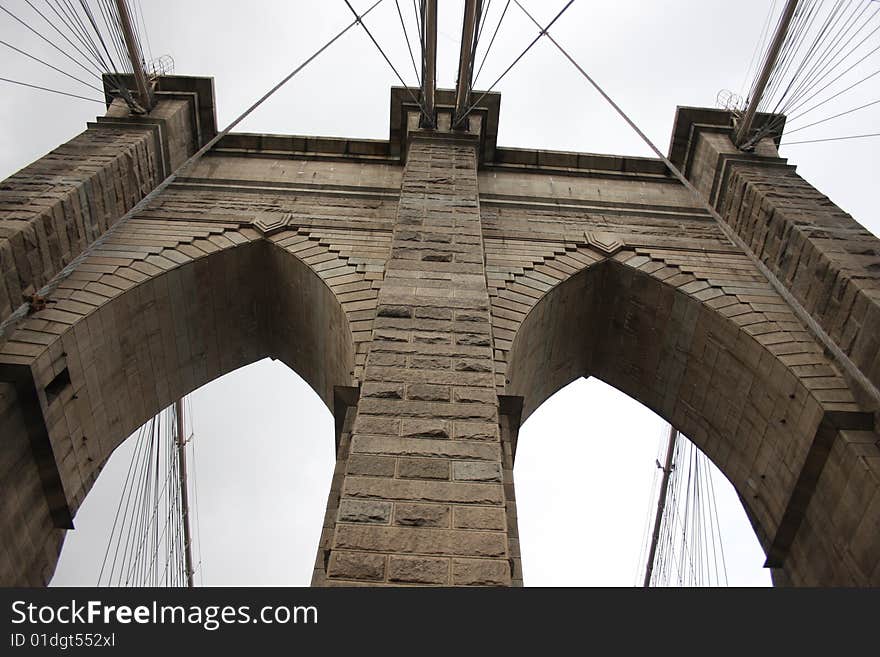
<point>265,439</point>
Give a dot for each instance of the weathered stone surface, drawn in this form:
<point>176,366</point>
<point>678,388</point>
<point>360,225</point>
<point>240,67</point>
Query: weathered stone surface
<point>426,447</point>
<point>377,466</point>
<point>423,468</point>
<point>421,515</point>
<point>358,511</point>
<point>478,517</point>
<point>424,428</point>
<point>383,390</point>
<point>410,540</point>
<point>423,491</point>
<point>357,565</point>
<point>412,570</point>
<point>427,392</point>
<point>476,471</point>
<point>480,572</point>
<point>475,431</point>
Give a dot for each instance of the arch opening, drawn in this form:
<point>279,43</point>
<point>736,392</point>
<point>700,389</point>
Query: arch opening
<point>260,493</point>
<point>163,338</point>
<point>689,363</point>
<point>586,464</point>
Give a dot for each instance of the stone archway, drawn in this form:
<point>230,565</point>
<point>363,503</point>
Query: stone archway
<point>755,393</point>
<point>123,338</point>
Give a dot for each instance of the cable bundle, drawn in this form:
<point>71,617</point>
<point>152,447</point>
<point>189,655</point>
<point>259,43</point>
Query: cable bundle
<point>831,49</point>
<point>690,551</point>
<point>88,35</point>
<point>146,543</point>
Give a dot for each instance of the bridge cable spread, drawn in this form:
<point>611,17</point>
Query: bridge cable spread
<point>685,546</point>
<point>359,21</point>
<point>826,45</point>
<point>543,32</point>
<point>149,543</point>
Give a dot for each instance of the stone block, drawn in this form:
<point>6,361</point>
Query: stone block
<point>416,540</point>
<point>437,429</point>
<point>361,511</point>
<point>423,468</point>
<point>427,392</point>
<point>418,570</point>
<point>356,565</point>
<point>375,466</point>
<point>476,471</point>
<point>421,515</point>
<point>422,491</point>
<point>479,517</point>
<point>480,572</point>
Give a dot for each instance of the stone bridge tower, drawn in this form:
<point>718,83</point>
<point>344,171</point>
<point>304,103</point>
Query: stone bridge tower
<point>435,289</point>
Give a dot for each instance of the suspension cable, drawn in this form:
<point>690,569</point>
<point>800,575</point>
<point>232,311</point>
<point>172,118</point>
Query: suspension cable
<point>358,20</point>
<point>54,68</point>
<point>49,41</point>
<point>54,91</point>
<point>814,141</point>
<point>543,32</point>
<point>408,44</point>
<point>491,41</point>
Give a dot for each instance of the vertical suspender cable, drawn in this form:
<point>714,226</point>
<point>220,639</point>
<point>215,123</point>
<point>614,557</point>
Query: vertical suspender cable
<point>661,505</point>
<point>184,493</point>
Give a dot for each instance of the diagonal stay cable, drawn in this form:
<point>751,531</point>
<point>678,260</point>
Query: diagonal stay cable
<point>836,95</point>
<point>491,41</point>
<point>71,18</point>
<point>418,12</point>
<point>54,68</point>
<point>408,44</point>
<point>759,47</point>
<point>65,37</point>
<point>833,348</point>
<point>49,41</point>
<point>833,55</point>
<point>815,141</point>
<point>358,19</point>
<point>485,14</point>
<point>54,91</point>
<point>543,32</point>
<point>9,324</point>
<point>140,10</point>
<point>850,111</point>
<point>482,13</point>
<point>94,23</point>
<point>122,88</point>
<point>89,50</point>
<point>831,51</point>
<point>799,102</point>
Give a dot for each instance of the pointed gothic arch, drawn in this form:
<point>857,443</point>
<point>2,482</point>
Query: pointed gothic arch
<point>728,366</point>
<point>123,340</point>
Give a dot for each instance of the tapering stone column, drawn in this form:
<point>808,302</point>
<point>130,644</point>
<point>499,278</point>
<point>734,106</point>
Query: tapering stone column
<point>420,480</point>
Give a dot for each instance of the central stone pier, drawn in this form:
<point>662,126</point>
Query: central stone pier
<point>422,490</point>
